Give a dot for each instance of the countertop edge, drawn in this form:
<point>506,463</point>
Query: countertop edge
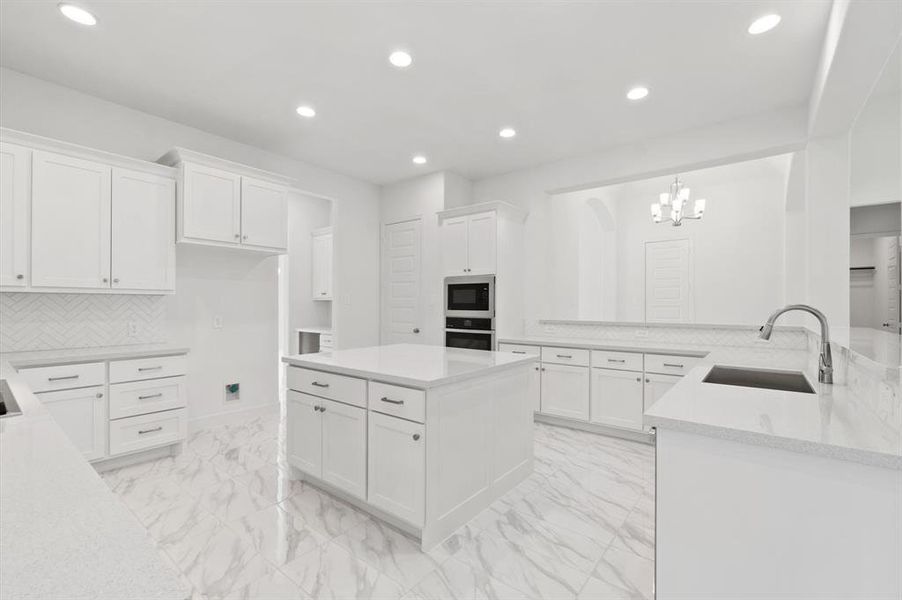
<point>678,350</point>
<point>21,360</point>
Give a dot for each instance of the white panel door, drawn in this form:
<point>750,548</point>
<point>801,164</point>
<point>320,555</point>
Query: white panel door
<point>482,244</point>
<point>211,205</point>
<point>264,214</point>
<point>668,282</point>
<point>305,433</point>
<point>454,246</point>
<point>397,467</point>
<point>401,283</point>
<point>344,447</point>
<point>15,179</point>
<point>81,414</point>
<point>891,321</point>
<point>143,231</point>
<point>322,266</point>
<point>70,222</point>
<point>617,398</point>
<point>655,387</point>
<point>565,391</point>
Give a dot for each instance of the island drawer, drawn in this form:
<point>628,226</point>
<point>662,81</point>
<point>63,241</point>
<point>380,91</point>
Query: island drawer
<point>64,377</point>
<point>341,388</point>
<point>398,401</point>
<point>153,367</point>
<point>147,431</point>
<point>624,361</point>
<point>142,397</point>
<point>670,364</point>
<point>565,356</point>
<point>520,349</point>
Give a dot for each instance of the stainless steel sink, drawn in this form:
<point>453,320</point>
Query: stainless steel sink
<point>8,405</point>
<point>786,381</point>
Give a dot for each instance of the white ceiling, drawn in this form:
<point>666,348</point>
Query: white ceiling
<point>556,71</point>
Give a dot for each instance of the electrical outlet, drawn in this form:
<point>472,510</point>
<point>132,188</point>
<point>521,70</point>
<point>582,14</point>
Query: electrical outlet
<point>132,328</point>
<point>642,333</point>
<point>217,322</point>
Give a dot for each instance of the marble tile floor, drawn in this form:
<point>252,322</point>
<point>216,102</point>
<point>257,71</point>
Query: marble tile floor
<point>226,514</point>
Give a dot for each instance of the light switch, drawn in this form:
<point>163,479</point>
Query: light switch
<point>217,322</point>
<point>132,329</point>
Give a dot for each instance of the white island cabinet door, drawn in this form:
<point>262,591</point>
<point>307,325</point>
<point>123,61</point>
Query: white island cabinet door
<point>264,215</point>
<point>210,205</point>
<point>81,414</point>
<point>70,222</point>
<point>344,447</point>
<point>143,232</point>
<point>305,433</point>
<point>454,246</point>
<point>482,244</point>
<point>15,175</point>
<point>397,467</point>
<point>617,398</point>
<point>565,391</point>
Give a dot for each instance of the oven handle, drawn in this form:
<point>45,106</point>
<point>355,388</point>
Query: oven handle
<point>489,331</point>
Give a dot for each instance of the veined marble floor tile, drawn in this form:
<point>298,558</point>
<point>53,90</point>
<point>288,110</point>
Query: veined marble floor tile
<point>182,518</point>
<point>230,500</point>
<point>148,497</point>
<point>322,512</point>
<point>454,580</point>
<point>626,571</point>
<point>330,572</point>
<point>237,460</point>
<point>273,586</point>
<point>272,482</point>
<point>390,552</point>
<point>279,536</point>
<point>637,534</point>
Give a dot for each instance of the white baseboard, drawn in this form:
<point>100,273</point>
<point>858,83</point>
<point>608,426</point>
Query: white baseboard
<point>232,417</point>
<point>625,434</point>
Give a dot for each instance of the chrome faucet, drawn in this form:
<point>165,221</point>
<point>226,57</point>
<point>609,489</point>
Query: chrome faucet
<point>825,362</point>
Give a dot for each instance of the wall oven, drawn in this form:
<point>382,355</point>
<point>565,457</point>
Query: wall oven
<point>475,334</point>
<point>470,297</point>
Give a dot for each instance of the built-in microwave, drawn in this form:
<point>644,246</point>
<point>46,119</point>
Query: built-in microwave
<point>470,297</point>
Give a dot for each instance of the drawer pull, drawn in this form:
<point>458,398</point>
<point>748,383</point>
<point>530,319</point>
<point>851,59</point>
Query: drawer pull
<point>63,378</point>
<point>321,385</point>
<point>617,360</point>
<point>390,401</point>
<point>149,396</point>
<point>143,431</point>
<point>141,369</point>
<point>518,351</point>
<point>674,365</point>
<point>564,355</point>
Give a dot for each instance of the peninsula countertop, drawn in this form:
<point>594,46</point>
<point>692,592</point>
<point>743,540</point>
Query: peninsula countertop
<point>411,365</point>
<point>63,533</point>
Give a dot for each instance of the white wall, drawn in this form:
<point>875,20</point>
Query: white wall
<point>876,147</point>
<point>242,289</point>
<point>305,213</point>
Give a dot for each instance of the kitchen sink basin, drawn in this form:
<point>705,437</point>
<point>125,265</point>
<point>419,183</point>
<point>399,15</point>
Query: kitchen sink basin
<point>786,381</point>
<point>8,406</point>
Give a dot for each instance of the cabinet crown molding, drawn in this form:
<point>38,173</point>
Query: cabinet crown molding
<point>38,142</point>
<point>503,209</point>
<point>179,155</point>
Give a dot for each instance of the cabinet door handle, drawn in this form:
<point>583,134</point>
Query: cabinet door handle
<point>416,437</point>
<point>322,409</point>
<point>390,401</point>
<point>564,355</point>
<point>543,368</point>
<point>99,395</point>
<point>115,280</point>
<point>63,378</point>
<point>616,360</point>
<point>244,237</point>
<point>156,368</point>
<point>105,280</point>
<point>647,380</point>
<point>20,276</point>
<point>237,236</point>
<point>315,409</point>
<point>320,385</point>
<point>149,396</point>
<point>674,365</point>
<point>143,431</point>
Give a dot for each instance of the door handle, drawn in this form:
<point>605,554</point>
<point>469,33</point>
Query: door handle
<point>416,330</point>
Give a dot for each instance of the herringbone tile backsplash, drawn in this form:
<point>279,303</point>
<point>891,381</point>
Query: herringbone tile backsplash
<point>53,321</point>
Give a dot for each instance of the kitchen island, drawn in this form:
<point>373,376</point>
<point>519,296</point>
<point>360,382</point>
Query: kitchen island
<point>423,437</point>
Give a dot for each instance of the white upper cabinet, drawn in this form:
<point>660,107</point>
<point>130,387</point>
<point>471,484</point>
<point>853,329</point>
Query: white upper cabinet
<point>469,244</point>
<point>221,203</point>
<point>264,214</point>
<point>210,204</point>
<point>143,231</point>
<point>322,264</point>
<point>15,178</point>
<point>70,222</point>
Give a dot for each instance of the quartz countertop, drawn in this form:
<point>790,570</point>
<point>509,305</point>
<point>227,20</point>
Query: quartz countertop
<point>35,358</point>
<point>412,365</point>
<point>63,534</point>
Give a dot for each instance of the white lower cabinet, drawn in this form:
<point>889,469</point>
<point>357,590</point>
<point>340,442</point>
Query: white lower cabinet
<point>305,433</point>
<point>81,413</point>
<point>143,432</point>
<point>656,386</point>
<point>617,398</point>
<point>535,388</point>
<point>397,467</point>
<point>565,391</point>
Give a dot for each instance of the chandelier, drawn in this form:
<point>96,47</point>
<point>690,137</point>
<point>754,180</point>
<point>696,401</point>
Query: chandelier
<point>676,201</point>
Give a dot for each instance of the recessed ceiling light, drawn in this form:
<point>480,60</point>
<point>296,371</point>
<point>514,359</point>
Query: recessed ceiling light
<point>507,132</point>
<point>419,159</point>
<point>306,111</point>
<point>77,14</point>
<point>763,24</point>
<point>637,93</point>
<point>400,59</point>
